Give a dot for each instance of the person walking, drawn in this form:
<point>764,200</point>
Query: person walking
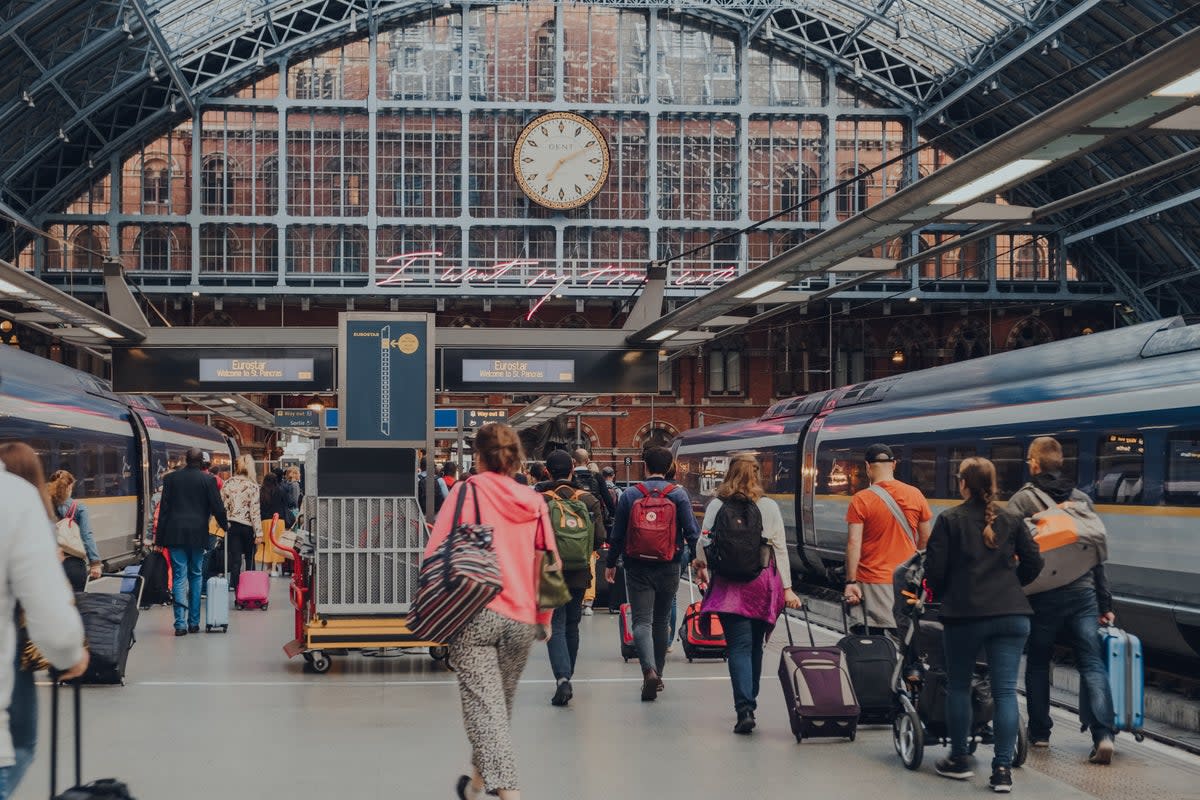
<point>977,560</point>
<point>652,555</point>
<point>189,498</point>
<point>591,482</point>
<point>490,652</point>
<point>292,493</point>
<point>61,487</point>
<point>1075,608</point>
<point>564,500</point>
<point>31,576</point>
<point>887,523</point>
<point>271,501</point>
<point>241,496</point>
<point>748,609</point>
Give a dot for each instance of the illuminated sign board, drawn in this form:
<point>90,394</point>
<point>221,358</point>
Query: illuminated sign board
<point>286,370</point>
<point>296,418</point>
<point>477,418</point>
<point>503,370</point>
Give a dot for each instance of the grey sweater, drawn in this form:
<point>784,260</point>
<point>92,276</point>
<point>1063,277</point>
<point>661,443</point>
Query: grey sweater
<point>33,577</point>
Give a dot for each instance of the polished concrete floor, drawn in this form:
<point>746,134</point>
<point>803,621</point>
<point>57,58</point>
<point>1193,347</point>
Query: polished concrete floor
<point>228,716</point>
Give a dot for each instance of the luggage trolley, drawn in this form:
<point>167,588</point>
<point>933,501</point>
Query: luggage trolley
<point>353,580</point>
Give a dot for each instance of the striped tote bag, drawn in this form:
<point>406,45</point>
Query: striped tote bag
<point>458,579</point>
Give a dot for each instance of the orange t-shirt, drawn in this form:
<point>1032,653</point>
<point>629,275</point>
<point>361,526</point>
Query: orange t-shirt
<point>885,544</point>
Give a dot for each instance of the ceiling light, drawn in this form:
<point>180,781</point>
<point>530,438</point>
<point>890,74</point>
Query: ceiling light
<point>229,401</point>
<point>260,61</point>
<point>760,289</point>
<point>913,299</point>
<point>28,98</point>
<point>125,29</point>
<point>665,333</point>
<point>897,356</point>
<point>152,73</point>
<point>1187,86</point>
<point>10,288</point>
<point>107,333</point>
<point>62,135</point>
<point>531,413</point>
<point>988,184</point>
<point>315,404</point>
<point>864,264</point>
<point>540,408</point>
<point>195,294</point>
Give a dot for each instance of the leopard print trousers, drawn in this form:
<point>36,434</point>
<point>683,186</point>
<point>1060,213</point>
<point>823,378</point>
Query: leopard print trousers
<point>488,656</point>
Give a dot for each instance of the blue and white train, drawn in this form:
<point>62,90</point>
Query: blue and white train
<point>117,447</point>
<point>1125,404</point>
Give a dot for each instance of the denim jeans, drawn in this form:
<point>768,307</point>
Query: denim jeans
<point>1075,610</point>
<point>652,589</point>
<point>187,566</point>
<point>563,646</point>
<point>744,638</point>
<point>1003,638</point>
<point>22,727</point>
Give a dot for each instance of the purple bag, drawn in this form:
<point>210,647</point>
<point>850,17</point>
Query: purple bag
<point>817,687</point>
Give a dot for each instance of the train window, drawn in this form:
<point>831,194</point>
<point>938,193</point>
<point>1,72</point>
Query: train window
<point>1182,486</point>
<point>1119,463</point>
<point>846,473</point>
<point>687,474</point>
<point>712,474</point>
<point>924,470</point>
<point>1070,459</point>
<point>779,472</point>
<point>110,471</point>
<point>65,457</point>
<point>957,456</point>
<point>1010,468</point>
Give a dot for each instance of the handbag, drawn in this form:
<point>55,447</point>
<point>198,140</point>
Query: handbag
<point>552,586</point>
<point>69,535</point>
<point>458,579</point>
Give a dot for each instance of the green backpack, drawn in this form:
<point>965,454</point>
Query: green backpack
<point>574,530</point>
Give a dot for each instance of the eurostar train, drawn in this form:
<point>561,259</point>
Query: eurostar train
<point>1125,404</point>
<point>117,447</point>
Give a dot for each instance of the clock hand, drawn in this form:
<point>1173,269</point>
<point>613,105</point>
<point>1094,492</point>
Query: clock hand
<point>558,165</point>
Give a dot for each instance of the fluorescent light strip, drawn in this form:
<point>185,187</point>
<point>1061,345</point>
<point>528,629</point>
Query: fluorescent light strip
<point>10,288</point>
<point>665,333</point>
<point>1187,86</point>
<point>988,184</point>
<point>540,408</point>
<point>760,290</point>
<point>107,333</point>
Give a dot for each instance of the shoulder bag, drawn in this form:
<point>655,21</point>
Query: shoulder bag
<point>69,535</point>
<point>458,579</point>
<point>552,586</point>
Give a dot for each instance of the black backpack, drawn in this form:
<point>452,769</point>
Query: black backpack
<point>735,552</point>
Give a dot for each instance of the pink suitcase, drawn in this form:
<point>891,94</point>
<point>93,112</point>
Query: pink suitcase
<point>253,589</point>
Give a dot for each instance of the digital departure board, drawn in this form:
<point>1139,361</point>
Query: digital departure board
<point>496,370</point>
<point>215,370</point>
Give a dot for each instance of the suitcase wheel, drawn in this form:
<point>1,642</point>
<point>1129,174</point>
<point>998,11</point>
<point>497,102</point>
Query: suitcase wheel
<point>239,605</point>
<point>263,606</point>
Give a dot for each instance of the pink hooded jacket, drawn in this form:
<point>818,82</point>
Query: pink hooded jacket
<point>514,512</point>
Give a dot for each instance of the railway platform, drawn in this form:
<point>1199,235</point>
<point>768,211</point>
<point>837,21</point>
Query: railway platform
<point>228,715</point>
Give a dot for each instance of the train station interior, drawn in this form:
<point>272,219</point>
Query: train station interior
<point>341,237</point>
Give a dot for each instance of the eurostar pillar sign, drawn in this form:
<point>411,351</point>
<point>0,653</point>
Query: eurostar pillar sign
<point>385,362</point>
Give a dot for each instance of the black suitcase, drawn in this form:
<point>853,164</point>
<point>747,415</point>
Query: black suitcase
<point>872,662</point>
<point>105,789</point>
<point>108,624</point>
<point>156,576</point>
<point>816,686</point>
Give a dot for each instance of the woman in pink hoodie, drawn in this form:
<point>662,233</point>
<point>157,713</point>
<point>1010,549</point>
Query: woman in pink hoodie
<point>490,652</point>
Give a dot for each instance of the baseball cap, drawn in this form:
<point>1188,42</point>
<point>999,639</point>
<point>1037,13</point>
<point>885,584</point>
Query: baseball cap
<point>559,464</point>
<point>879,453</point>
<point>607,472</point>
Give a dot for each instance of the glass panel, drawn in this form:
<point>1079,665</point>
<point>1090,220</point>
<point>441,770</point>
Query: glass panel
<point>1119,463</point>
<point>842,472</point>
<point>957,455</point>
<point>1182,486</point>
<point>1009,460</point>
<point>924,470</point>
<point>516,50</point>
<point>423,61</point>
<point>625,193</point>
<point>156,248</point>
<point>777,79</point>
<point>339,74</point>
<point>733,372</point>
<point>327,163</point>
<point>716,371</point>
<point>697,167</point>
<point>695,66</point>
<point>418,160</point>
<point>786,157</point>
<point>604,55</point>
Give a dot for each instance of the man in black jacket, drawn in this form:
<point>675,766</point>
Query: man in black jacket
<point>1077,607</point>
<point>189,498</point>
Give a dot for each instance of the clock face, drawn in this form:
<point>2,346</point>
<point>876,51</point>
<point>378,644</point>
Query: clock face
<point>561,160</point>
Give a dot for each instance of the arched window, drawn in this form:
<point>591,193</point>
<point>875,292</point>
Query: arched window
<point>156,181</point>
<point>87,250</point>
<point>216,186</point>
<point>153,249</point>
<point>349,181</point>
<point>346,251</point>
<point>219,246</point>
<point>853,194</point>
<point>269,182</point>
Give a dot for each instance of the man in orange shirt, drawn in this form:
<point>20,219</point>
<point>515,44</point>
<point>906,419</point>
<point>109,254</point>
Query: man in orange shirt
<point>888,522</point>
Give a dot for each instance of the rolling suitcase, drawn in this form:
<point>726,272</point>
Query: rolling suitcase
<point>871,662</point>
<point>130,582</point>
<point>105,789</point>
<point>1122,654</point>
<point>702,635</point>
<point>109,621</point>
<point>628,651</point>
<point>156,576</point>
<point>254,586</point>
<point>216,598</point>
<point>817,688</point>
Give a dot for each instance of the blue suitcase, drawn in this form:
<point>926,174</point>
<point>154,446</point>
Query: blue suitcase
<point>216,600</point>
<point>129,582</point>
<point>1122,654</point>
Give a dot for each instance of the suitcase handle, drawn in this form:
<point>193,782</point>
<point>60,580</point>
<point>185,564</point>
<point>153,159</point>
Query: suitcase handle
<point>787,624</point>
<point>54,714</point>
<point>139,581</point>
<point>866,620</point>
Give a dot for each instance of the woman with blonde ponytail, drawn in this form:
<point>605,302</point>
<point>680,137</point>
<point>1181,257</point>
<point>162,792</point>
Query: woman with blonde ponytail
<point>61,486</point>
<point>977,560</point>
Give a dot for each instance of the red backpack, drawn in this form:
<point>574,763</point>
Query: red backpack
<point>651,534</point>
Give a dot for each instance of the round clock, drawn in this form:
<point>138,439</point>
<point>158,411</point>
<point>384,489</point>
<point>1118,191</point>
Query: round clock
<point>561,160</point>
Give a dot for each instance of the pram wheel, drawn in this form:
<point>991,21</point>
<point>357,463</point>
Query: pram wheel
<point>1022,751</point>
<point>908,734</point>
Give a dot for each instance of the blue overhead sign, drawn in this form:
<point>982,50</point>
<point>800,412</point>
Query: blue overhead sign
<point>386,364</point>
<point>296,418</point>
<point>445,418</point>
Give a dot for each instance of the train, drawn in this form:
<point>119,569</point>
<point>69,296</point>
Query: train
<point>118,447</point>
<point>1124,403</point>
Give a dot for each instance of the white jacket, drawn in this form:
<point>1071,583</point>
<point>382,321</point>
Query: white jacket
<point>32,576</point>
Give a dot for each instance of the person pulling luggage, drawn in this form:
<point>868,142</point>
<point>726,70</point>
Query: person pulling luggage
<point>977,560</point>
<point>1076,607</point>
<point>747,588</point>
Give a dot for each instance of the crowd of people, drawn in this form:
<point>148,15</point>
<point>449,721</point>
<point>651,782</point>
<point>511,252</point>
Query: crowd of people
<point>978,557</point>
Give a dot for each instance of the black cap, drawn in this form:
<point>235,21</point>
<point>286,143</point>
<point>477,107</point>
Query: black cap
<point>879,454</point>
<point>608,472</point>
<point>559,464</point>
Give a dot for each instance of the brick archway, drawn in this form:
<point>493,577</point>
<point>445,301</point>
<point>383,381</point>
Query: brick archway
<point>655,433</point>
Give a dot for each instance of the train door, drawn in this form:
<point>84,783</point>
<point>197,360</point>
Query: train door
<point>145,485</point>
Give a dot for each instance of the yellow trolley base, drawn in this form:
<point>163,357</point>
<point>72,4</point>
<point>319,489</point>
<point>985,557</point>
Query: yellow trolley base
<point>324,636</point>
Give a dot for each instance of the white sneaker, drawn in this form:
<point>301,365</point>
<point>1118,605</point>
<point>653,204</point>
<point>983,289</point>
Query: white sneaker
<point>587,611</point>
